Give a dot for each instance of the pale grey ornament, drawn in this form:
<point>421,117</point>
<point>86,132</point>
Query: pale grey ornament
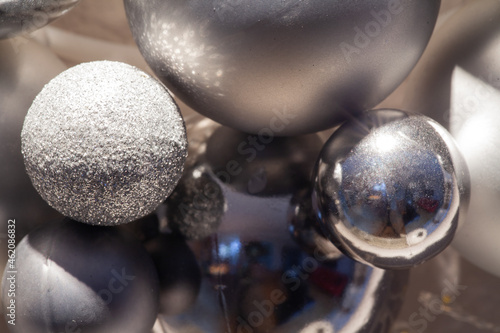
<point>286,67</point>
<point>104,143</point>
<point>72,277</point>
<point>23,16</point>
<point>390,188</point>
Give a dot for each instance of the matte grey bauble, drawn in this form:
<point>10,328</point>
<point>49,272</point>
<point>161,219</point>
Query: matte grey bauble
<point>286,67</point>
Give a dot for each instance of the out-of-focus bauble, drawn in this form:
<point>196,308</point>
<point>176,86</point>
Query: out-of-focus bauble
<point>178,272</point>
<point>23,16</point>
<point>289,67</point>
<point>81,278</point>
<point>25,67</point>
<point>104,143</point>
<point>390,188</point>
<point>255,277</point>
<point>458,84</point>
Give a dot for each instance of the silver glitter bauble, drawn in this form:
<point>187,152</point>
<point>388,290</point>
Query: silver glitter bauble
<point>104,143</point>
<point>23,16</point>
<point>286,67</point>
<point>390,188</point>
<point>458,84</point>
<point>25,67</point>
<point>255,277</point>
<point>72,277</point>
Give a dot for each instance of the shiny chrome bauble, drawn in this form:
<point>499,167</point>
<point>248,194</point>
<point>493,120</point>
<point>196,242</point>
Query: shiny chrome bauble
<point>255,277</point>
<point>72,277</point>
<point>458,84</point>
<point>390,188</point>
<point>23,16</point>
<point>287,67</point>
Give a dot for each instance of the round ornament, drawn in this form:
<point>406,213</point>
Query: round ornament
<point>73,277</point>
<point>104,143</point>
<point>289,67</point>
<point>390,188</point>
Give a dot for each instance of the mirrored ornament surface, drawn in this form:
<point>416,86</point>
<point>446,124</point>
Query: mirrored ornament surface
<point>255,276</point>
<point>290,67</point>
<point>75,277</point>
<point>23,16</point>
<point>390,188</point>
<point>104,143</point>
<point>458,84</point>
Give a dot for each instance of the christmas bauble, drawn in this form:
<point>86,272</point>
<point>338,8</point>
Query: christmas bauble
<point>255,277</point>
<point>281,67</point>
<point>458,84</point>
<point>72,277</point>
<point>390,188</point>
<point>22,16</point>
<point>104,143</point>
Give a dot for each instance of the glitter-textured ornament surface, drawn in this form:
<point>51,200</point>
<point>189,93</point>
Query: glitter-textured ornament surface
<point>458,84</point>
<point>255,277</point>
<point>290,67</point>
<point>23,16</point>
<point>73,277</point>
<point>390,188</point>
<point>104,143</point>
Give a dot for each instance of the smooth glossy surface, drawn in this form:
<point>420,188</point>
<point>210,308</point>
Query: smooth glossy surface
<point>458,84</point>
<point>286,67</point>
<point>23,16</point>
<point>255,277</point>
<point>390,188</point>
<point>73,277</point>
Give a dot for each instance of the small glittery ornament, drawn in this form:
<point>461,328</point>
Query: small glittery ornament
<point>255,277</point>
<point>73,277</point>
<point>290,67</point>
<point>390,188</point>
<point>458,84</point>
<point>23,16</point>
<point>104,143</point>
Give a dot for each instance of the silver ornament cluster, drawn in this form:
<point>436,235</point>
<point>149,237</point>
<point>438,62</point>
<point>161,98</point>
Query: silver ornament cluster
<point>104,143</point>
<point>390,188</point>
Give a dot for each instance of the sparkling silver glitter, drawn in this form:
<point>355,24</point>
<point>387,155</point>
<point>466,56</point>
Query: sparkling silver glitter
<point>104,143</point>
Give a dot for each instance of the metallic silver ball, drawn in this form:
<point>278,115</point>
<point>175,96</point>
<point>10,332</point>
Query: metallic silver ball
<point>458,84</point>
<point>286,67</point>
<point>23,16</point>
<point>104,143</point>
<point>73,277</point>
<point>390,188</point>
<point>255,277</point>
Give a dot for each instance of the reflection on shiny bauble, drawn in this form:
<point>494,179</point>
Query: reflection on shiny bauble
<point>460,75</point>
<point>25,67</point>
<point>255,277</point>
<point>23,16</point>
<point>390,187</point>
<point>104,143</point>
<point>79,278</point>
<point>178,272</point>
<point>287,67</point>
